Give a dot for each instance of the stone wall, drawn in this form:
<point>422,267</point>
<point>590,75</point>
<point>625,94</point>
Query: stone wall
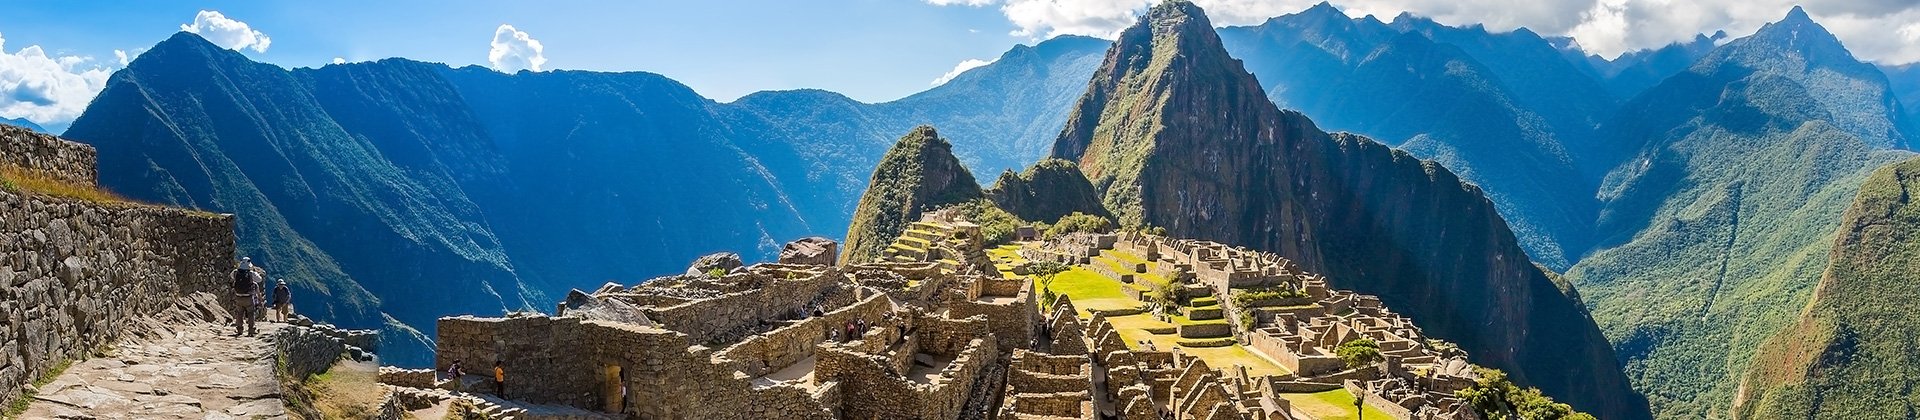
<point>706,320</point>
<point>72,273</point>
<point>568,361</point>
<point>60,159</point>
<point>777,349</point>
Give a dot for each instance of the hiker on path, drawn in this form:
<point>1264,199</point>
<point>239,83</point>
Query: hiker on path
<point>282,300</point>
<point>245,281</point>
<point>259,295</point>
<point>455,372</point>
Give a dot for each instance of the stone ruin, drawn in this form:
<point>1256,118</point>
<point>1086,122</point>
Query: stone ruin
<point>923,333</point>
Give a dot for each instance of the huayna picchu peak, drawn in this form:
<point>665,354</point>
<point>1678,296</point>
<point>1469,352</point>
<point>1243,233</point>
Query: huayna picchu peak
<point>961,210</point>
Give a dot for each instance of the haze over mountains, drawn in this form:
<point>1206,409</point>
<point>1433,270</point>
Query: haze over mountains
<point>1690,194</point>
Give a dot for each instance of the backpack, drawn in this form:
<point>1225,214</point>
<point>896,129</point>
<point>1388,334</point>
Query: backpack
<point>242,281</point>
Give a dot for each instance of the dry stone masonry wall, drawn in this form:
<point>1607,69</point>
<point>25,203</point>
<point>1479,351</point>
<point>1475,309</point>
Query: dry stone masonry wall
<point>73,272</point>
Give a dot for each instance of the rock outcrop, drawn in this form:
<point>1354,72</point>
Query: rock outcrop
<point>1174,133</point>
<point>722,262</point>
<point>813,250</point>
<point>918,174</point>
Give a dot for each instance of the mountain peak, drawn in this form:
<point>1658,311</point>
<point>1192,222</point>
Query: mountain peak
<point>1798,14</point>
<point>920,173</point>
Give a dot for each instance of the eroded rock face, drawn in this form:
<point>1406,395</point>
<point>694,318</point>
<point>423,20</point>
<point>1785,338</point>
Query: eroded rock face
<point>812,250</point>
<point>723,261</point>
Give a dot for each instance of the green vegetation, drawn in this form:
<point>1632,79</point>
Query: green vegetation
<point>1048,190</point>
<point>918,174</point>
<point>1359,353</point>
<point>1043,272</point>
<point>1728,224</point>
<point>1336,404</point>
<point>1495,397</point>
<point>717,272</point>
<point>1851,354</point>
<point>1079,222</point>
<point>996,226</point>
<point>22,402</point>
<point>1242,297</point>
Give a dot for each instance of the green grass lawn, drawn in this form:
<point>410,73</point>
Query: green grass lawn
<point>1132,329</point>
<point>1330,405</point>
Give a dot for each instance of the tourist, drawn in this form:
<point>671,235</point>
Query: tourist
<point>241,303</point>
<point>282,300</point>
<point>817,313</point>
<point>454,372</point>
<point>499,380</point>
<point>259,295</point>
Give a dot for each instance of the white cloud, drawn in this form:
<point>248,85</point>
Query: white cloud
<point>227,33</point>
<point>1886,31</point>
<point>339,60</point>
<point>48,90</point>
<point>514,51</point>
<point>969,64</point>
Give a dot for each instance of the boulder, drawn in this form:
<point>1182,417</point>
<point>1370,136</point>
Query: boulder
<point>724,261</point>
<point>812,250</point>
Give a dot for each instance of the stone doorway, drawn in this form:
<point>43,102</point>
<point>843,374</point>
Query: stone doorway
<point>613,390</point>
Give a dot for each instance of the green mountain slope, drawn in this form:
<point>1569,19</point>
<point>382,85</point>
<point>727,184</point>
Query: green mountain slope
<point>1175,133</point>
<point>1717,225</point>
<point>918,174</point>
<point>1046,191</point>
<point>1851,354</point>
<point>1502,111</point>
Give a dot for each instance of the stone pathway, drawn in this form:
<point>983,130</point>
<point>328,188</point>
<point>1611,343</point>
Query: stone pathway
<point>195,371</point>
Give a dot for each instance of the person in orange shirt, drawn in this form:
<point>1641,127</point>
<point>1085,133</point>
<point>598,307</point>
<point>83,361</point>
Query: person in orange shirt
<point>499,380</point>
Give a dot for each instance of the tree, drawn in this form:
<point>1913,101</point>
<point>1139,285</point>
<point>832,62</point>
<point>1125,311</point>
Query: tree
<point>1043,272</point>
<point>1359,352</point>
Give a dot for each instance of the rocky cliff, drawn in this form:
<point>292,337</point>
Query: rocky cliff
<point>1175,133</point>
<point>918,174</point>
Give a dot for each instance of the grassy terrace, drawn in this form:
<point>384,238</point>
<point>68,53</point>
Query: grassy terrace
<point>1091,290</point>
<point>1330,405</point>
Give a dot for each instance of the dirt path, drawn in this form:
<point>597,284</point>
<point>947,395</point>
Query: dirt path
<point>194,371</point>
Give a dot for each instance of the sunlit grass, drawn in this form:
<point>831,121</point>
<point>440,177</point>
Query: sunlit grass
<point>1331,405</point>
<point>35,182</point>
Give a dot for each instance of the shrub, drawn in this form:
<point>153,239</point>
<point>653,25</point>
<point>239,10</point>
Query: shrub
<point>1359,352</point>
<point>996,225</point>
<point>1079,222</point>
<point>1242,297</point>
<point>1496,397</point>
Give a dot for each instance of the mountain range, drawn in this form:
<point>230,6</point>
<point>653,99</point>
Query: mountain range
<point>1690,194</point>
<point>394,192</point>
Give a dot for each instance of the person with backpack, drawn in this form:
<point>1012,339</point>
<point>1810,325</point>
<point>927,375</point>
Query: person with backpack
<point>282,300</point>
<point>245,281</point>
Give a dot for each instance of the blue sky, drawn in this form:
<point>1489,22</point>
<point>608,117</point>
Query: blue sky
<point>54,55</point>
<point>871,50</point>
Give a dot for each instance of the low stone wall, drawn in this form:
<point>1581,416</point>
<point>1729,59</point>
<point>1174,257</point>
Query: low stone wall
<point>410,378</point>
<point>64,160</point>
<point>72,273</point>
<point>305,351</point>
<point>1392,409</point>
<point>568,361</point>
<point>780,348</point>
<point>705,320</point>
